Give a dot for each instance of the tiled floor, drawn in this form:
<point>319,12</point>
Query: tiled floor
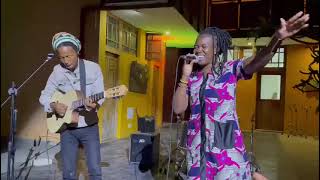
<point>280,157</point>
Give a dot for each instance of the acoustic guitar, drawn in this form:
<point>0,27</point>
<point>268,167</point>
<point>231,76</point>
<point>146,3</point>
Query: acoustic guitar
<point>74,100</point>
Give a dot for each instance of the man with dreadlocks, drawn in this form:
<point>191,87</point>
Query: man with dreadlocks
<point>215,142</point>
<point>67,76</point>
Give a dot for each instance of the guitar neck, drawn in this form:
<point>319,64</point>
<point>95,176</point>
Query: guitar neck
<point>114,92</point>
<point>81,102</point>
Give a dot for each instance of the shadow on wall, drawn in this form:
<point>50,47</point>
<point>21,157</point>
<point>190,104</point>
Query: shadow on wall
<point>312,95</point>
<point>25,46</point>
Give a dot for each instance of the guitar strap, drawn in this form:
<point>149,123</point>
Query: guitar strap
<point>91,117</point>
<point>82,72</point>
<point>82,77</point>
<point>88,115</point>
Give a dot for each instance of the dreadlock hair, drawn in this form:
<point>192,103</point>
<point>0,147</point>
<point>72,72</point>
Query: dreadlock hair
<point>223,43</point>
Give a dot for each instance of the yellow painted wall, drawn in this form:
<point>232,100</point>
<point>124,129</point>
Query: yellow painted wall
<point>102,63</point>
<point>141,102</point>
<point>246,101</point>
<point>298,58</point>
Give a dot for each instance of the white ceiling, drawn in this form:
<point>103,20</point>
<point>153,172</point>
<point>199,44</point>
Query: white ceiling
<point>168,19</point>
<point>161,20</point>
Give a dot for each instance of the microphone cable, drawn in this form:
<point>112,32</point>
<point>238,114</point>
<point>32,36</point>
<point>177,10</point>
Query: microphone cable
<point>171,118</point>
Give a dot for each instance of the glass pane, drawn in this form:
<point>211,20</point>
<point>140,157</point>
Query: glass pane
<point>281,57</point>
<point>134,37</point>
<point>112,32</point>
<point>236,53</point>
<point>271,65</point>
<point>281,49</point>
<point>275,58</point>
<point>268,65</point>
<point>270,87</point>
<point>109,31</point>
<point>128,40</point>
<point>230,55</point>
<point>247,53</point>
<point>115,33</point>
<point>133,43</point>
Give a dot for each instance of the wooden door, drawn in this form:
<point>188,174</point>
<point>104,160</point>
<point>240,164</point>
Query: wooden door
<point>110,113</point>
<point>270,100</point>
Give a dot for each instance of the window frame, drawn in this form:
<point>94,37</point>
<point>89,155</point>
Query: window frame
<point>116,41</point>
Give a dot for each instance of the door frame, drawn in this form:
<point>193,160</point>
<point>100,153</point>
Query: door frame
<point>272,71</point>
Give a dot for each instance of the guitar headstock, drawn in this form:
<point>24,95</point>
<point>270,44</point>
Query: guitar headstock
<point>116,91</point>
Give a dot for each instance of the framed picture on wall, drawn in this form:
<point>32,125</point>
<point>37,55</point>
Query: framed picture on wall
<point>138,80</point>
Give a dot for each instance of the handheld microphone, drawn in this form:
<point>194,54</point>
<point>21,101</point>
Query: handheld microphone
<point>193,57</point>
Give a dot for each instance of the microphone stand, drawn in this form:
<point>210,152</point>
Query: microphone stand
<point>13,91</point>
<point>30,157</point>
<point>252,160</point>
<point>27,160</point>
<point>35,156</point>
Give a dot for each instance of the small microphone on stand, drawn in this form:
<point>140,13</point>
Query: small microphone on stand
<point>50,56</point>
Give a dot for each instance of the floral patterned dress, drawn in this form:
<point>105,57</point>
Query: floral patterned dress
<point>215,143</point>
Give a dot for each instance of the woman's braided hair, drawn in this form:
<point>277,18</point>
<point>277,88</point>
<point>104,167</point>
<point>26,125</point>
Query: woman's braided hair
<point>223,44</point>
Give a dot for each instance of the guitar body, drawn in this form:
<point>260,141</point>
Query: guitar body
<point>54,123</point>
<point>76,98</point>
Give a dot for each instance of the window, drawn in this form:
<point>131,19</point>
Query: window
<point>277,60</point>
<point>232,54</point>
<point>129,38</point>
<point>270,87</point>
<point>236,53</point>
<point>112,32</point>
<point>153,47</point>
<point>247,53</point>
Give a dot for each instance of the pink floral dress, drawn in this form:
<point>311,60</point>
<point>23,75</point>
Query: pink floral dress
<point>215,143</point>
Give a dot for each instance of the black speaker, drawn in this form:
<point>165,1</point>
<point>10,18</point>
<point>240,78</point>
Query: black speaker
<point>146,124</point>
<point>144,150</point>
